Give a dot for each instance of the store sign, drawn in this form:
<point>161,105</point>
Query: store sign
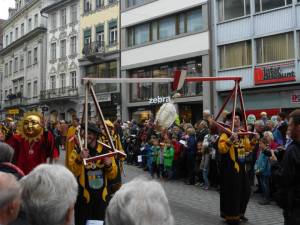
<point>295,97</point>
<point>159,100</point>
<point>13,111</point>
<point>275,73</point>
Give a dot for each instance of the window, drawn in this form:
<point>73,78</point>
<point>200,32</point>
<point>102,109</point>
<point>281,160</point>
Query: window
<point>62,80</point>
<point>99,4</point>
<point>73,80</point>
<point>6,70</point>
<point>35,55</point>
<point>111,1</point>
<point>185,22</point>
<point>22,29</point>
<point>21,89</point>
<point>17,33</point>
<point>29,24</point>
<point>53,21</point>
<point>28,90</point>
<point>21,62</point>
<point>35,88</point>
<point>275,48</point>
<point>73,45</point>
<point>6,94</point>
<point>10,67</point>
<point>235,55</point>
<point>63,17</point>
<point>134,2</point>
<point>113,32</point>
<point>52,82</point>
<point>53,51</point>
<point>73,13</point>
<point>62,48</point>
<point>29,58</point>
<point>87,37</point>
<point>36,20</point>
<point>194,20</point>
<point>139,35</point>
<point>16,65</point>
<point>87,6</point>
<point>100,35</point>
<point>15,89</point>
<point>11,37</point>
<point>229,9</point>
<point>6,40</point>
<point>262,5</point>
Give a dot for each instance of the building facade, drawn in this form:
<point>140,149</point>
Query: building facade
<point>100,51</point>
<point>63,78</point>
<point>24,57</point>
<point>157,38</point>
<point>258,40</point>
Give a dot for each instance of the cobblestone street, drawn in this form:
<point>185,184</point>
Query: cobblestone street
<point>193,206</point>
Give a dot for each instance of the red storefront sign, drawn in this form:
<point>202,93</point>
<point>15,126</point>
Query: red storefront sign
<point>275,73</point>
<point>295,98</point>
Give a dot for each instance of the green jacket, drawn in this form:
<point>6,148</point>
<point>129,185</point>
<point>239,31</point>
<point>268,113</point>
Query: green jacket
<point>168,156</point>
<point>155,153</point>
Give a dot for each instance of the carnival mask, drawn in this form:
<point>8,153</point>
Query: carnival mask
<point>31,127</point>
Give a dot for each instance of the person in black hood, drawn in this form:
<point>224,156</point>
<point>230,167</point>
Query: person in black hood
<point>289,178</point>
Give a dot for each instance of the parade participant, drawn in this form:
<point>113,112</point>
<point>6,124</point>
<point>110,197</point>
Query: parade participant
<point>114,184</point>
<point>33,144</point>
<point>235,187</point>
<point>3,132</point>
<point>70,143</point>
<point>10,198</point>
<point>93,178</point>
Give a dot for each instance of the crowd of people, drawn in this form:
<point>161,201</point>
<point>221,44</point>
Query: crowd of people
<point>266,157</point>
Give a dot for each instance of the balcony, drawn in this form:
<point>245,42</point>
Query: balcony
<point>15,101</point>
<point>59,93</point>
<point>93,49</point>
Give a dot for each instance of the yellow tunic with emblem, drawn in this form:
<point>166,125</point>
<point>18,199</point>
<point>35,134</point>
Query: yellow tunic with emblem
<point>93,180</point>
<point>70,144</point>
<point>234,184</point>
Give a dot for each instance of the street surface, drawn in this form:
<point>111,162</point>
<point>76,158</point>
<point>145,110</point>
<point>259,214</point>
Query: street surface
<point>193,206</point>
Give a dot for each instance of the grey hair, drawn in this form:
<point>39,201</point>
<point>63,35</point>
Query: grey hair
<point>139,202</point>
<point>270,134</point>
<point>49,191</point>
<point>10,189</point>
<point>259,122</point>
<point>6,153</point>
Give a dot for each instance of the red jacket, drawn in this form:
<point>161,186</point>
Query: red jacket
<point>177,149</point>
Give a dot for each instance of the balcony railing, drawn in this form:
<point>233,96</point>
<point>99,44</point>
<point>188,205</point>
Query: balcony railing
<point>94,48</point>
<point>59,93</point>
<point>19,101</point>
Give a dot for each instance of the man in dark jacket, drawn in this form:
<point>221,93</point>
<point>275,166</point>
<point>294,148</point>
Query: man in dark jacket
<point>289,185</point>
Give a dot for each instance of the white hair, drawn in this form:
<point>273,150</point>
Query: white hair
<point>269,133</point>
<point>49,191</point>
<point>10,189</point>
<point>259,122</point>
<point>139,202</point>
<point>206,111</point>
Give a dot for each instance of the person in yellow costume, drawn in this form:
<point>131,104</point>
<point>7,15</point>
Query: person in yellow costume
<point>235,185</point>
<point>70,142</point>
<point>115,184</point>
<point>93,179</point>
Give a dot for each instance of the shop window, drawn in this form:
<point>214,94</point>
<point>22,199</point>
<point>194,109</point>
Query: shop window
<point>230,9</point>
<point>235,55</point>
<point>262,5</point>
<point>275,48</point>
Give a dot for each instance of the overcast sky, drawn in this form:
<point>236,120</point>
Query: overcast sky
<point>4,5</point>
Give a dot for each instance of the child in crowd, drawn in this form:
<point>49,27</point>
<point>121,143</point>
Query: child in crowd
<point>263,169</point>
<point>155,153</point>
<point>205,164</point>
<point>160,161</point>
<point>198,172</point>
<point>168,158</point>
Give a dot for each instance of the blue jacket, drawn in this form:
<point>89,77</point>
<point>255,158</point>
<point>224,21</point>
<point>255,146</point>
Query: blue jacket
<point>263,165</point>
<point>191,145</point>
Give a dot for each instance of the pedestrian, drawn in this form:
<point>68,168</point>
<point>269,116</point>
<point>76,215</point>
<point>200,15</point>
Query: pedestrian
<point>235,187</point>
<point>139,202</point>
<point>168,158</point>
<point>206,154</point>
<point>155,153</point>
<point>263,169</point>
<point>289,176</point>
<point>190,155</point>
<point>93,178</point>
<point>160,161</point>
<point>198,169</point>
<point>10,198</point>
<point>177,153</point>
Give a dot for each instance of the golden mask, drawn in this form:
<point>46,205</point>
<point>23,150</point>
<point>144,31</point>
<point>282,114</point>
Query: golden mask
<point>30,127</point>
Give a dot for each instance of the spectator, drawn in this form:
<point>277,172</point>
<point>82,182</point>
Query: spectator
<point>205,163</point>
<point>202,130</point>
<point>168,158</point>
<point>269,136</point>
<point>263,169</point>
<point>289,176</point>
<point>251,119</point>
<point>281,129</point>
<point>49,195</point>
<point>206,114</point>
<point>269,125</point>
<point>10,198</point>
<point>6,166</point>
<point>177,153</point>
<point>264,117</point>
<point>191,155</point>
<point>141,203</point>
<point>198,169</point>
